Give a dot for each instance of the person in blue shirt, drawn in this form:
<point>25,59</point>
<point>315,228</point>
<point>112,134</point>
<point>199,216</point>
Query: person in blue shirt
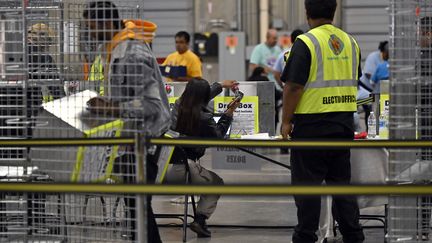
<point>279,66</point>
<point>382,70</point>
<point>370,66</point>
<point>372,62</point>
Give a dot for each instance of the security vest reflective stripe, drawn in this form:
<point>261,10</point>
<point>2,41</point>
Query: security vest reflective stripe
<point>97,73</point>
<point>332,82</point>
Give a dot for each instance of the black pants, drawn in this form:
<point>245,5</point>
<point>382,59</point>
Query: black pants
<point>367,110</point>
<point>312,167</point>
<point>152,228</point>
<point>126,165</point>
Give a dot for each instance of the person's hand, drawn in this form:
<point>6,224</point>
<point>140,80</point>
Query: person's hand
<point>286,130</point>
<point>232,106</point>
<point>102,106</point>
<point>230,84</point>
<point>97,105</point>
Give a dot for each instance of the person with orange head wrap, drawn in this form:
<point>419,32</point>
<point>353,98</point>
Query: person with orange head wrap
<point>133,29</point>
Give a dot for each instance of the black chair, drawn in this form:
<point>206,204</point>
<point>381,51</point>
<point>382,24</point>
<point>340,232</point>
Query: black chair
<point>180,156</point>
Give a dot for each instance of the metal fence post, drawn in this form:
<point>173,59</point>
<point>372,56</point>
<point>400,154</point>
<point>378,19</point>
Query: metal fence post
<point>141,204</point>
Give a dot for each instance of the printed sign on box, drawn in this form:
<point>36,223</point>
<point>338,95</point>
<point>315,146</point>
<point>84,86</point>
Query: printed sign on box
<point>245,122</point>
<point>245,117</point>
<point>234,159</point>
<point>385,110</point>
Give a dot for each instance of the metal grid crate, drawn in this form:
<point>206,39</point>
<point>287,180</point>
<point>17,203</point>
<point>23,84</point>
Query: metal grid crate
<point>46,57</point>
<point>410,116</point>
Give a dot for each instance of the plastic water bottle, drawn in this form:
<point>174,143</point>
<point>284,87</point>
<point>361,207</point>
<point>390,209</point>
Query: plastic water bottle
<point>383,125</point>
<point>372,125</point>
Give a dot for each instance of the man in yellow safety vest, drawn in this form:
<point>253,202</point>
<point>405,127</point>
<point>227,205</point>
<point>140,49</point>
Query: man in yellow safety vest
<point>96,74</point>
<point>321,78</point>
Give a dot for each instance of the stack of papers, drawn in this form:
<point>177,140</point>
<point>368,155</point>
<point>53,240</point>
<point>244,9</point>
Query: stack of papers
<point>258,136</point>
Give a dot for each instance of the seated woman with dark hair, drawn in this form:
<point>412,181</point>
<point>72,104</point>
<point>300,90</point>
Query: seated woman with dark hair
<point>192,118</point>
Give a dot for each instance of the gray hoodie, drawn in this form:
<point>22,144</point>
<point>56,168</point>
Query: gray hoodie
<point>134,80</point>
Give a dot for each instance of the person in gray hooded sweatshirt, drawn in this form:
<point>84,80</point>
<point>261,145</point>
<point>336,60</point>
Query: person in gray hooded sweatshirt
<point>134,93</point>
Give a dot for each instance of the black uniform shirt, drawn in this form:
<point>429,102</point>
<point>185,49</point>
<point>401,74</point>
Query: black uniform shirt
<point>332,124</point>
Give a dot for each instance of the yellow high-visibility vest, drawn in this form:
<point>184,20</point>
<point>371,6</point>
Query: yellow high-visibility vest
<point>332,82</point>
<point>97,73</point>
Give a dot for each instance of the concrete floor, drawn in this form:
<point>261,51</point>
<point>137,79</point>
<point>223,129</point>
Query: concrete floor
<point>251,211</point>
<point>240,235</point>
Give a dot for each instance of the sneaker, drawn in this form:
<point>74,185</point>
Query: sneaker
<point>201,229</point>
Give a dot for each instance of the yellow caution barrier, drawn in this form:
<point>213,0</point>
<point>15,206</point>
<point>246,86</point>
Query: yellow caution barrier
<point>220,143</point>
<point>258,190</point>
<point>293,144</point>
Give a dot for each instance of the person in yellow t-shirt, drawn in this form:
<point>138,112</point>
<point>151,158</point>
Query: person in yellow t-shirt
<point>183,57</point>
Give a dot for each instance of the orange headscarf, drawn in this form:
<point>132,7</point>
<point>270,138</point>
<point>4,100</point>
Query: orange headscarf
<point>136,30</point>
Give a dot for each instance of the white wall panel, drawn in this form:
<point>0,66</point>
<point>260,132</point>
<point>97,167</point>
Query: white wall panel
<point>171,16</point>
<point>368,21</point>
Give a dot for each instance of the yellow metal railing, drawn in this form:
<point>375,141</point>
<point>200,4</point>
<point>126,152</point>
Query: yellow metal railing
<point>223,190</point>
<point>258,190</point>
<point>220,143</point>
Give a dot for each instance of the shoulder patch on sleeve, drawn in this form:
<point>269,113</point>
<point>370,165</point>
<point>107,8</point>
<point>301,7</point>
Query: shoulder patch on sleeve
<point>286,55</point>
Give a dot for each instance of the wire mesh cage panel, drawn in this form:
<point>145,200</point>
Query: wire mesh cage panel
<point>72,69</point>
<point>410,115</point>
